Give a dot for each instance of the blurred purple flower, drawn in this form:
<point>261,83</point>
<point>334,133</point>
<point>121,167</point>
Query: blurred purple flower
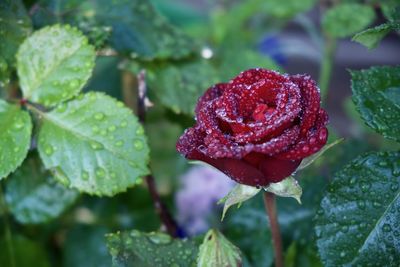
<point>271,46</point>
<point>202,187</point>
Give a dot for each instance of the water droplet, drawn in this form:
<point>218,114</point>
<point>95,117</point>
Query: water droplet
<point>365,186</point>
<point>61,108</point>
<point>361,204</point>
<point>18,125</point>
<point>48,149</point>
<point>100,172</point>
<point>383,163</point>
<point>387,228</point>
<point>112,128</point>
<point>342,254</point>
<point>394,187</point>
<point>322,135</point>
<point>124,123</point>
<point>96,145</point>
<point>95,129</point>
<point>113,251</point>
<point>376,204</point>
<point>119,143</point>
<point>133,164</point>
<point>138,144</point>
<point>160,238</point>
<point>128,241</point>
<point>140,130</point>
<point>99,116</point>
<point>85,175</point>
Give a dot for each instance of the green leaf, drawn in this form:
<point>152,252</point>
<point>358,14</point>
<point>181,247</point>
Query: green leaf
<point>216,251</point>
<point>143,31</point>
<point>135,248</point>
<point>54,64</point>
<point>357,224</point>
<point>25,253</point>
<point>231,65</point>
<point>136,28</point>
<point>288,8</point>
<point>5,73</point>
<point>33,196</point>
<point>297,255</point>
<point>248,229</point>
<point>290,255</point>
<point>237,195</point>
<point>163,151</point>
<point>289,187</point>
<point>92,239</point>
<point>371,37</point>
<point>15,26</point>
<point>376,93</point>
<point>95,144</point>
<point>344,20</point>
<point>15,137</point>
<point>309,160</point>
<point>179,85</point>
<point>391,10</point>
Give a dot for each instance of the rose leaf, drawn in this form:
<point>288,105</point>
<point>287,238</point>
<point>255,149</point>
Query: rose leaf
<point>134,248</point>
<point>15,137</point>
<point>94,144</point>
<point>237,195</point>
<point>289,187</point>
<point>376,94</point>
<point>344,20</point>
<point>33,196</point>
<point>216,250</point>
<point>357,223</point>
<point>54,64</point>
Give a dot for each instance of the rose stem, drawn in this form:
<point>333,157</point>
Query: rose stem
<point>270,208</point>
<point>328,57</point>
<point>128,85</point>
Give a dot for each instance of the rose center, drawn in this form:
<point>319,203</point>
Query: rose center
<point>261,111</point>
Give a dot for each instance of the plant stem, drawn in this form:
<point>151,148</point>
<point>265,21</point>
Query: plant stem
<point>326,65</point>
<point>142,104</point>
<point>7,230</point>
<point>270,207</point>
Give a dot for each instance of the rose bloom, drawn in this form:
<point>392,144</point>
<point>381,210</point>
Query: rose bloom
<point>258,127</point>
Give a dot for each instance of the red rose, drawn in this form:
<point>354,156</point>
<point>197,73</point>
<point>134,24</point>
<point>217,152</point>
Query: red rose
<point>258,127</point>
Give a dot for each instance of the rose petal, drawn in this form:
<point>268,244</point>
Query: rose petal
<point>210,94</point>
<point>287,109</point>
<point>252,76</point>
<point>216,149</point>
<point>310,101</point>
<point>314,140</point>
<point>208,121</point>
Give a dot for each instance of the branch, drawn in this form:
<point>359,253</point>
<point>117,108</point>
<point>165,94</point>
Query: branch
<point>142,104</point>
